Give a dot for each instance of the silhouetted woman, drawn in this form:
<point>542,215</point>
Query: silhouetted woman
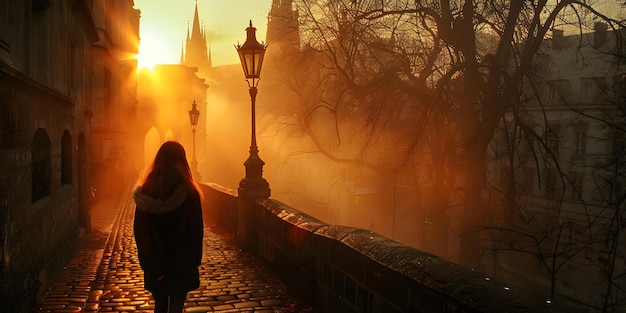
<point>168,229</point>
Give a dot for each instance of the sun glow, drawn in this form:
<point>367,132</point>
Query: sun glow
<point>152,51</point>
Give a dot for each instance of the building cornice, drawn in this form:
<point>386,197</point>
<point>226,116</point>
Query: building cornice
<point>13,75</point>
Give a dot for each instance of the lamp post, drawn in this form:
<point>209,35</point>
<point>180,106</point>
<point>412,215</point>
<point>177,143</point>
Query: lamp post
<point>253,186</point>
<point>194,114</point>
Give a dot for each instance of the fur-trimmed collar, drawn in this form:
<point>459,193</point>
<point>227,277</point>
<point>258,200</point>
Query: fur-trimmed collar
<point>158,206</point>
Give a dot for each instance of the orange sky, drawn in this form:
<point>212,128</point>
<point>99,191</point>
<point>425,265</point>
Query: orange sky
<point>164,23</point>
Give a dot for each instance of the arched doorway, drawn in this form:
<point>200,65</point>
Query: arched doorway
<point>169,135</point>
<point>152,142</point>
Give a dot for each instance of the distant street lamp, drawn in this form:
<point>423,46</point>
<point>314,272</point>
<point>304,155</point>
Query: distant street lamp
<point>194,114</point>
<point>251,53</point>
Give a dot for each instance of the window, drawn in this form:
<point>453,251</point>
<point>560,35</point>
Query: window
<point>554,91</point>
<point>72,82</point>
<point>573,233</point>
<point>613,189</point>
<point>8,121</point>
<point>615,180</point>
<point>580,143</point>
<point>619,89</point>
<point>550,181</point>
<point>619,148</point>
<point>39,5</point>
<point>11,115</point>
<point>40,161</point>
<point>5,26</point>
<point>66,158</point>
<point>577,187</point>
<point>587,89</point>
<point>559,89</point>
<point>552,142</point>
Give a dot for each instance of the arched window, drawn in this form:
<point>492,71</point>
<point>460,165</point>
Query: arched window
<point>66,158</point>
<point>169,135</point>
<point>152,142</point>
<point>40,164</point>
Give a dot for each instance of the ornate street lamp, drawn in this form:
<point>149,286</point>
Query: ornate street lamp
<point>251,53</point>
<point>194,114</point>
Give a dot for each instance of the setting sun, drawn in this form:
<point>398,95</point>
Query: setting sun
<point>152,51</point>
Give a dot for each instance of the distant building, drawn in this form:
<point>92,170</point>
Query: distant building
<point>196,53</point>
<point>166,94</point>
<point>570,178</point>
<point>283,30</point>
<point>114,95</point>
<point>46,109</point>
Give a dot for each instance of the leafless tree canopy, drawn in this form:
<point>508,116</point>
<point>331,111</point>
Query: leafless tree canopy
<point>457,86</point>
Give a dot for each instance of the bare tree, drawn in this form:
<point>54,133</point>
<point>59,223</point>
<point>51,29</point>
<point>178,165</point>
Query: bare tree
<point>444,80</point>
<point>428,58</point>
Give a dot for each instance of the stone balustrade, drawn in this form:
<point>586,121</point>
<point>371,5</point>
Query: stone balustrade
<point>346,269</point>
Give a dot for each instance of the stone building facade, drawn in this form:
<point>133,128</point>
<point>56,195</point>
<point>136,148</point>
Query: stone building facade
<point>46,109</point>
<point>568,240</point>
<point>114,94</point>
<point>67,85</point>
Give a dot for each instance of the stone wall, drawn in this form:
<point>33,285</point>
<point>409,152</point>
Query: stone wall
<point>221,205</point>
<point>45,96</point>
<point>345,269</point>
<point>37,236</point>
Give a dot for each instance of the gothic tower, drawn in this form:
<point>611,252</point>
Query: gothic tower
<point>282,27</point>
<point>195,53</point>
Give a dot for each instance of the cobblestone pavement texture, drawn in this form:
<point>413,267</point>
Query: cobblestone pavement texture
<point>105,276</point>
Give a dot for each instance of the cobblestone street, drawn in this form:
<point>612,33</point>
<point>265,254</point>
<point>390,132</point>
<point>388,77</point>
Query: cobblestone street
<point>105,276</point>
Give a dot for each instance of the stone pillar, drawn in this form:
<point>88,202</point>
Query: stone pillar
<point>252,189</point>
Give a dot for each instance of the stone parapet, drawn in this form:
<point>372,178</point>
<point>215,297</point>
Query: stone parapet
<point>346,269</point>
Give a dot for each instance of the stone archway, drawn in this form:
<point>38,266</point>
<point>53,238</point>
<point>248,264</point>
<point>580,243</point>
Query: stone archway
<point>169,135</point>
<point>152,142</point>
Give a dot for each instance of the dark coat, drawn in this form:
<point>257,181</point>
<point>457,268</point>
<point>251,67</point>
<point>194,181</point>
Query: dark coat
<point>169,236</point>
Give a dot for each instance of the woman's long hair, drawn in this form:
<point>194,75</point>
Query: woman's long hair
<point>168,171</point>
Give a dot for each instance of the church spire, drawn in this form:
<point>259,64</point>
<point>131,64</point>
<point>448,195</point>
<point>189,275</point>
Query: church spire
<point>195,28</point>
<point>182,52</point>
<point>196,47</point>
<point>210,58</point>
